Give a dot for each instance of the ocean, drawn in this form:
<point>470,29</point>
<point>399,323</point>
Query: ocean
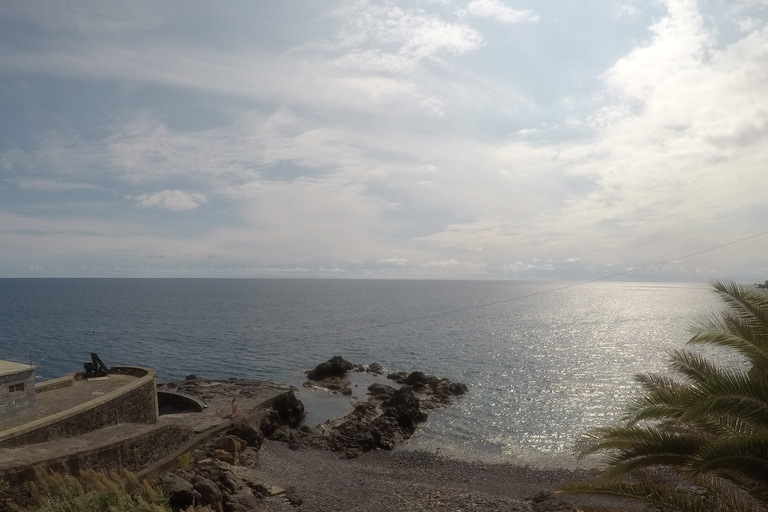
<point>544,361</point>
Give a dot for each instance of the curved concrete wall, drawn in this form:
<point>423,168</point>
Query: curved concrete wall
<point>135,402</point>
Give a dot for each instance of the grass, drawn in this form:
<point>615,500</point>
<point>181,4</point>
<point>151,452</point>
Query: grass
<point>93,491</point>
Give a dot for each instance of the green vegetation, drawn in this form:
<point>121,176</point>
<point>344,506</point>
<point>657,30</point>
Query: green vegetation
<point>185,460</point>
<point>699,442</point>
<point>94,492</point>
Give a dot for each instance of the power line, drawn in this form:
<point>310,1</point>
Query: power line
<point>542,292</point>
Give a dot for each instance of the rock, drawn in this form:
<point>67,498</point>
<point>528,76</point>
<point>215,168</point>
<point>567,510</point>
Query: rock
<point>286,410</point>
<point>399,377</point>
<point>375,368</point>
<point>381,391</point>
<point>210,493</point>
<point>417,379</point>
<point>230,444</point>
<point>225,456</point>
<point>248,433</point>
<point>243,501</point>
<point>332,383</point>
<point>336,366</point>
<point>404,407</point>
<point>547,502</point>
<point>229,483</point>
<point>438,390</point>
<point>181,493</point>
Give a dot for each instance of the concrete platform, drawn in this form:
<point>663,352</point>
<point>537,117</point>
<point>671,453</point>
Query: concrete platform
<point>119,445</point>
<point>50,402</point>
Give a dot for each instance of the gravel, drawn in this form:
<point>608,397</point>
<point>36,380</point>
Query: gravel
<point>405,481</point>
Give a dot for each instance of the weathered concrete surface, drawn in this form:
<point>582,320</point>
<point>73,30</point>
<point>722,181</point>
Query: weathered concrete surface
<point>132,446</point>
<point>57,400</point>
<point>135,401</point>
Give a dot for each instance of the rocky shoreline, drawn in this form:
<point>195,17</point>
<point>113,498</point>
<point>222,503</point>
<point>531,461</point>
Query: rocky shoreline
<point>344,463</point>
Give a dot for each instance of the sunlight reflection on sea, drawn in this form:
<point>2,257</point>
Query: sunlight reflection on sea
<point>542,366</point>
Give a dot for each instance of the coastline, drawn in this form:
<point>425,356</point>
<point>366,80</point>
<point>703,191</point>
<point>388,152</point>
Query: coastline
<point>300,467</point>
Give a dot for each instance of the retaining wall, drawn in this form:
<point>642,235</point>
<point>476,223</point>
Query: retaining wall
<point>131,454</point>
<point>135,402</point>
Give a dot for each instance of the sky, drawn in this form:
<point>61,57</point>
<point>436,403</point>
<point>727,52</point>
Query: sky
<point>446,139</point>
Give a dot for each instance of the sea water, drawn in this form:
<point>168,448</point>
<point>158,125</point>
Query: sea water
<point>544,362</point>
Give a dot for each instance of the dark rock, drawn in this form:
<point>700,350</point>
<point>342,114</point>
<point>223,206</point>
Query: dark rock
<point>294,499</point>
<point>229,483</point>
<point>248,433</point>
<point>375,368</point>
<point>192,378</point>
<point>381,391</point>
<point>286,410</point>
<point>336,366</point>
<point>417,379</point>
<point>399,377</point>
<point>210,493</point>
<point>404,407</point>
<point>243,501</point>
<point>230,444</point>
<point>181,494</point>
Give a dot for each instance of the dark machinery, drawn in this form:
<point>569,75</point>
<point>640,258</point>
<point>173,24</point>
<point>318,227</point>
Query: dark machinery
<point>95,367</point>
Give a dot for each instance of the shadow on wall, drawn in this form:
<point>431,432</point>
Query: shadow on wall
<point>174,403</point>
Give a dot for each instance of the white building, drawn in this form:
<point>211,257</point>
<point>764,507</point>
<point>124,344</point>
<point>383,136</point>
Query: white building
<point>17,388</point>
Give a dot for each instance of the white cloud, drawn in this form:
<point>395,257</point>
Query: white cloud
<point>384,143</point>
<point>172,200</point>
<point>496,9</point>
<point>382,37</point>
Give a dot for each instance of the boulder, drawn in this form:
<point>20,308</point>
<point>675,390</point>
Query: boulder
<point>336,366</point>
<point>225,456</point>
<point>181,494</point>
<point>243,501</point>
<point>229,482</point>
<point>252,436</point>
<point>399,377</point>
<point>230,444</point>
<point>210,494</point>
<point>417,379</point>
<point>286,410</point>
<point>381,391</point>
<point>375,368</point>
<point>403,406</point>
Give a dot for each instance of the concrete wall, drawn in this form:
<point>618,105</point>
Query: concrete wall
<point>133,403</point>
<point>61,382</point>
<point>131,454</point>
<point>13,402</point>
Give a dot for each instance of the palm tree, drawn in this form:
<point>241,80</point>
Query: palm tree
<point>699,443</point>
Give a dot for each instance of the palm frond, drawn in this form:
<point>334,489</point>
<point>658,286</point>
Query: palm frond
<point>657,494</point>
<point>745,456</point>
<point>708,429</point>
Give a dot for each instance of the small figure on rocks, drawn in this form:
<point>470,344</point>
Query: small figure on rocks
<point>234,407</point>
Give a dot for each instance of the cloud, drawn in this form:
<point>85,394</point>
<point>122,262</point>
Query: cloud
<point>394,261</point>
<point>172,200</point>
<point>497,10</point>
<point>43,184</point>
<point>391,137</point>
